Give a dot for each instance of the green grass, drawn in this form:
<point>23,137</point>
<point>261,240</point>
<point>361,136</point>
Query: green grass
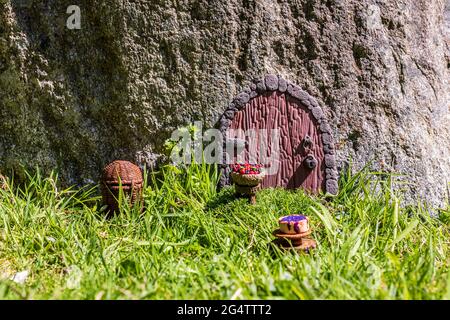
<point>191,243</point>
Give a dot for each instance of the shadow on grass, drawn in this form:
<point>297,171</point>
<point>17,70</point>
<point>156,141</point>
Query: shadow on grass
<point>223,198</point>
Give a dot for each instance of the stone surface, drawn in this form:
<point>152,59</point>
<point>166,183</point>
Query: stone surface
<point>74,100</point>
<point>332,174</point>
<point>253,94</point>
<point>327,139</point>
<point>325,128</point>
<point>327,149</point>
<point>332,187</point>
<point>241,99</point>
<point>229,114</point>
<point>295,91</point>
<point>317,113</point>
<point>271,82</point>
<point>330,161</point>
<point>224,123</point>
<point>261,86</point>
<point>282,84</point>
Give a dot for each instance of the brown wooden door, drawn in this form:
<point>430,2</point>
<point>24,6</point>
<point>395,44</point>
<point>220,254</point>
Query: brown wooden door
<point>277,110</point>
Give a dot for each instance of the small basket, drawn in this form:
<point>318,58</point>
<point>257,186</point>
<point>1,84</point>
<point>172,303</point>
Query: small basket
<point>249,180</point>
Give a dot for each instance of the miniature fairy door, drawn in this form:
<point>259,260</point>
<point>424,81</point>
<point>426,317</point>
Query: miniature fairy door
<point>286,127</point>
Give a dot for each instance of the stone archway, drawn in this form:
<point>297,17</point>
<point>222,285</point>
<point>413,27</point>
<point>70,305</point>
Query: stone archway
<point>306,158</point>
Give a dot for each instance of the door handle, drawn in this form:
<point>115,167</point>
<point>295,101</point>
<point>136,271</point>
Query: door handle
<point>310,162</point>
<point>307,142</point>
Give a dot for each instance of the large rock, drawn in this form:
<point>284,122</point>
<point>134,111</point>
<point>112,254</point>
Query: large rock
<point>76,99</point>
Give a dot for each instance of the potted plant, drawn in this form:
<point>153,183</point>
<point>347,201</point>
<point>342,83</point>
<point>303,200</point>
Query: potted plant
<point>247,179</point>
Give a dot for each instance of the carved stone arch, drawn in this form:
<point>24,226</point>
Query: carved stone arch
<point>274,103</point>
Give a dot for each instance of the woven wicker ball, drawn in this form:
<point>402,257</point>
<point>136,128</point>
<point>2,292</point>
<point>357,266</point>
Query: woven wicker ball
<point>125,175</point>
